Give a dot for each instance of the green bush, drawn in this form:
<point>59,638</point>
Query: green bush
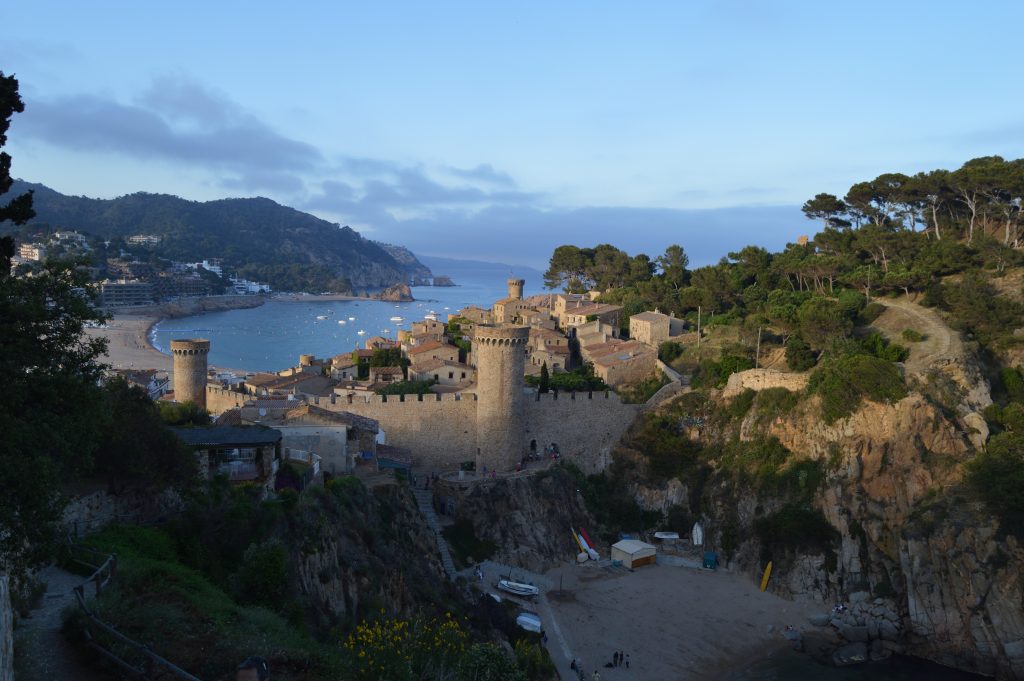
<point>262,578</point>
<point>799,355</point>
<point>772,403</point>
<point>638,393</point>
<point>870,313</point>
<point>998,476</point>
<point>1013,384</point>
<point>713,374</point>
<point>669,350</point>
<point>875,344</point>
<point>844,381</point>
<point>740,405</point>
<point>467,548</point>
<point>912,336</point>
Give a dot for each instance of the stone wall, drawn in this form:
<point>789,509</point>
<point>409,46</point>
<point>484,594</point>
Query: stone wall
<point>219,400</point>
<point>761,379</point>
<point>585,426</point>
<point>440,430</point>
<point>92,512</point>
<point>6,631</point>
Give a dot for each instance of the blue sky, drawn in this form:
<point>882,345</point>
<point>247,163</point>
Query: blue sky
<point>497,132</point>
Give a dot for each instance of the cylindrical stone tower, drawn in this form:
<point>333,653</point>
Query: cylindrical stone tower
<point>515,288</point>
<point>500,354</point>
<point>190,369</point>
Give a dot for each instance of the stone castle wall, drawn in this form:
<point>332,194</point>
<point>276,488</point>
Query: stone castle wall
<point>219,400</point>
<point>440,430</point>
<point>585,426</point>
<point>761,379</point>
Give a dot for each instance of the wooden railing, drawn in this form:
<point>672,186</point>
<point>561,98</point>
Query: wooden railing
<point>101,576</point>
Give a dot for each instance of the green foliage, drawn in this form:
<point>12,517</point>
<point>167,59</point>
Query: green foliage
<point>799,355</point>
<point>668,351</point>
<point>638,393</point>
<point>136,446</point>
<point>713,374</point>
<point>997,474</point>
<point>581,379</point>
<point>183,414</point>
<point>912,336</point>
<point>388,357</point>
<point>793,528</point>
<point>544,384</point>
<point>772,403</point>
<point>823,320</point>
<point>407,388</point>
<point>467,548</point>
<point>534,661</point>
<point>844,381</point>
<point>262,577</point>
<point>740,405</point>
<point>870,313</point>
<point>1012,381</point>
<point>610,502</point>
<point>876,345</point>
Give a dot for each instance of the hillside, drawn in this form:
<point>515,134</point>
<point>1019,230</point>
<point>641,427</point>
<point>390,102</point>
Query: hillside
<point>257,238</point>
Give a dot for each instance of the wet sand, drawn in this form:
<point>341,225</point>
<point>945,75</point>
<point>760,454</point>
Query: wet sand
<point>128,344</point>
<point>675,622</point>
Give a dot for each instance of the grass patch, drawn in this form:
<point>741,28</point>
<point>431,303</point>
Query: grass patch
<point>771,403</point>
<point>845,381</point>
<point>638,393</point>
<point>912,336</point>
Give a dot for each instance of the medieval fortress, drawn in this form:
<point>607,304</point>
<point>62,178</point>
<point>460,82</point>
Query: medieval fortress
<point>493,422</point>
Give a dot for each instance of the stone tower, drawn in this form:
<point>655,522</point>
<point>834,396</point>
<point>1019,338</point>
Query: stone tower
<point>190,369</point>
<point>515,288</point>
<point>500,354</point>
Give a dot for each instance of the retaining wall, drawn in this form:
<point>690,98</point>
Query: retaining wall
<point>761,379</point>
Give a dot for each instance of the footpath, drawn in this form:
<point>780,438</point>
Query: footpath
<point>41,651</point>
<point>425,501</point>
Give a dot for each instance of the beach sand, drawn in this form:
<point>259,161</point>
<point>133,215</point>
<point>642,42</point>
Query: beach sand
<point>675,622</point>
<point>128,343</point>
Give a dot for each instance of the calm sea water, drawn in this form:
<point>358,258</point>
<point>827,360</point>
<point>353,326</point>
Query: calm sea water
<point>272,336</point>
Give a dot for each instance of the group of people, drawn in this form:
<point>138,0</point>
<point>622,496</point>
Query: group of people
<point>619,659</point>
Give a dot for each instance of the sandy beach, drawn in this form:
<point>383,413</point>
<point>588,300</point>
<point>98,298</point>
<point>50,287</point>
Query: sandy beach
<point>128,344</point>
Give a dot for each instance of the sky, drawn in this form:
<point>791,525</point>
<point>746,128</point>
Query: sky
<point>497,131</point>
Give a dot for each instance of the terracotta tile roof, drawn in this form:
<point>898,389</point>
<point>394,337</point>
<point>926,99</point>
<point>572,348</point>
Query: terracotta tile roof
<point>428,346</point>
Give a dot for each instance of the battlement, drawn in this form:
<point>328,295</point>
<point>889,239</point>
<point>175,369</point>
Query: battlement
<point>430,398</point>
<point>582,396</point>
<point>184,347</point>
<point>501,335</point>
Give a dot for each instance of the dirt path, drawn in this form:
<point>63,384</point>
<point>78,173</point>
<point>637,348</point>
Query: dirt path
<point>41,653</point>
<point>940,342</point>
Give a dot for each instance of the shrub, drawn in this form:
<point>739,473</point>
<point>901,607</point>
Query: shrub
<point>772,403</point>
<point>466,545</point>
<point>912,336</point>
<point>998,476</point>
<point>740,405</point>
<point>715,374</point>
<point>876,344</point>
<point>844,381</point>
<point>799,355</point>
<point>1013,384</point>
<point>870,313</point>
<point>669,350</point>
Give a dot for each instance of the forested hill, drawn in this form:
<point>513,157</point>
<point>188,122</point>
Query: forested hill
<point>257,238</point>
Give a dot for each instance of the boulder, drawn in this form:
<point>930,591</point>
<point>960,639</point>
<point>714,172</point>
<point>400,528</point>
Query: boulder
<point>854,633</point>
<point>822,620</point>
<point>872,629</point>
<point>878,652</point>
<point>888,631</point>
<point>859,597</point>
<point>850,654</point>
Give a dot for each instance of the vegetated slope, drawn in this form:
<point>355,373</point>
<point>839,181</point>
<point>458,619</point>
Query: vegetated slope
<point>255,237</point>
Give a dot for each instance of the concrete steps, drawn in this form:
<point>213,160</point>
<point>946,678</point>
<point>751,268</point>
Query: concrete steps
<point>425,501</point>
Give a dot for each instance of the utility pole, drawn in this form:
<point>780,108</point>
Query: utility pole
<point>757,353</point>
<point>698,326</point>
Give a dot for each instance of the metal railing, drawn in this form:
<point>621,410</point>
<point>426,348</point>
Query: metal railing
<point>101,576</point>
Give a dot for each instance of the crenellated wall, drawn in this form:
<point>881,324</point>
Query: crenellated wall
<point>585,426</point>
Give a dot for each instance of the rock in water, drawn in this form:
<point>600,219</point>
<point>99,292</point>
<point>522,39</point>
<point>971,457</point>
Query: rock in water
<point>399,293</point>
<point>850,654</point>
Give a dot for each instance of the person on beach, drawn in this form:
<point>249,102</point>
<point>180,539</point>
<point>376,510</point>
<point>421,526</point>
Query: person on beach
<point>627,660</point>
<point>597,677</point>
<point>615,659</point>
<point>621,658</point>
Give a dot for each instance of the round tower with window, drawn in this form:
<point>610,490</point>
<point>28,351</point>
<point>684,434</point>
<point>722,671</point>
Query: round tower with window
<point>500,354</point>
<point>190,370</point>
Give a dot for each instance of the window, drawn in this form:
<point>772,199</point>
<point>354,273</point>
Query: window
<point>463,374</point>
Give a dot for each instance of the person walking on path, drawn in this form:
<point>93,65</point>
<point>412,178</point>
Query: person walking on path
<point>621,659</point>
<point>615,659</point>
<point>597,677</point>
<point>627,660</point>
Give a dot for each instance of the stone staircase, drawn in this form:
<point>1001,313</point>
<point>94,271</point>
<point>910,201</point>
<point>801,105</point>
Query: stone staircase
<point>425,500</point>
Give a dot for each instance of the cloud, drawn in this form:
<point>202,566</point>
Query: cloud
<point>176,121</point>
<point>484,172</point>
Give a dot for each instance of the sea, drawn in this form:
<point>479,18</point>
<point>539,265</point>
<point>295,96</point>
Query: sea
<point>272,336</point>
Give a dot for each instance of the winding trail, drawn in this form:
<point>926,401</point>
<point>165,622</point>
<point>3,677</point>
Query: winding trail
<point>41,651</point>
<point>940,343</point>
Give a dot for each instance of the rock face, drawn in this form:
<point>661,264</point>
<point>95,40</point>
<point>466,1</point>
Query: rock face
<point>443,280</point>
<point>528,518</point>
<point>369,550</point>
<point>893,489</point>
<point>399,293</point>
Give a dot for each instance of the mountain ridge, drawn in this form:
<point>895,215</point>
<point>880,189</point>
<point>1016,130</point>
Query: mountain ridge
<point>255,237</point>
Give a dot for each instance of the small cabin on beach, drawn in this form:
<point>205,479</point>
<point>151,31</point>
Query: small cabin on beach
<point>633,553</point>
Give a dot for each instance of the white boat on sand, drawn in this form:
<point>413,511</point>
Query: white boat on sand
<point>518,588</point>
<point>529,621</point>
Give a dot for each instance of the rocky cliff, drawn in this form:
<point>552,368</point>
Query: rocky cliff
<point>901,523</point>
<point>528,518</point>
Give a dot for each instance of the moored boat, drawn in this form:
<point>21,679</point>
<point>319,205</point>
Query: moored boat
<point>518,588</point>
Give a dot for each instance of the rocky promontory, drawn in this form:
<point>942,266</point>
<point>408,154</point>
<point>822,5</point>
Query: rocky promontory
<point>399,293</point>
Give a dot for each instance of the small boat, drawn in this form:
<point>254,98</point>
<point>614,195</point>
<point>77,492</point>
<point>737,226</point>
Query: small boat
<point>360,332</point>
<point>351,319</point>
<point>321,317</point>
<point>666,535</point>
<point>518,588</point>
<point>397,319</point>
<point>341,321</point>
<point>529,621</point>
<point>431,316</point>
